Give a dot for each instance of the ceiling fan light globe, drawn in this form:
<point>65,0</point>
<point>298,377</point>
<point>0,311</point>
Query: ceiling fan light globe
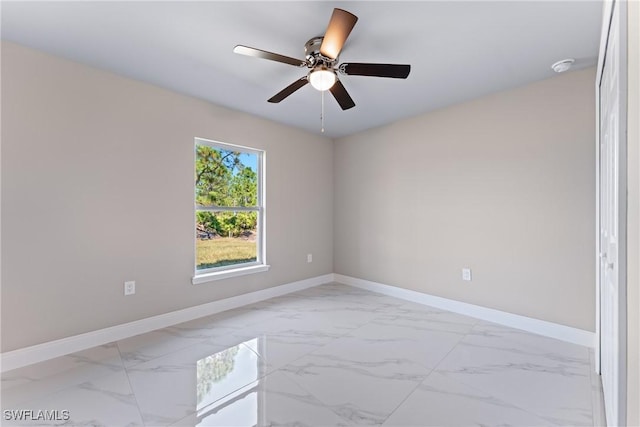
<point>322,79</point>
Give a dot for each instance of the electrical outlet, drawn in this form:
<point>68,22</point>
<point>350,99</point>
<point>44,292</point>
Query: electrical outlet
<point>309,257</point>
<point>466,274</point>
<point>130,288</point>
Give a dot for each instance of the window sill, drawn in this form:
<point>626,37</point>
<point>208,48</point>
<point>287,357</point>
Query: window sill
<point>225,274</point>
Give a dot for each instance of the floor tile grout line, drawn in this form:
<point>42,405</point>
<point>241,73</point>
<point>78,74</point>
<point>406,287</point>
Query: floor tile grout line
<point>289,376</point>
<point>407,396</point>
<point>262,376</point>
<point>430,372</point>
<point>302,387</point>
<point>211,404</point>
<point>485,391</point>
<point>69,387</point>
<point>135,397</point>
<point>373,319</point>
<point>197,341</point>
<point>200,341</point>
<point>376,317</point>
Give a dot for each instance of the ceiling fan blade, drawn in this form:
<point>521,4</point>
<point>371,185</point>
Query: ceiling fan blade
<point>394,71</point>
<point>257,53</point>
<point>288,90</point>
<point>340,25</point>
<point>340,94</point>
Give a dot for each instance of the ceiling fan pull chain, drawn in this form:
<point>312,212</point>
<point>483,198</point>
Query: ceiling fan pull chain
<point>322,112</point>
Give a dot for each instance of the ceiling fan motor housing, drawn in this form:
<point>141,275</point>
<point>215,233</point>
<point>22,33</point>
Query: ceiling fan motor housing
<point>313,55</point>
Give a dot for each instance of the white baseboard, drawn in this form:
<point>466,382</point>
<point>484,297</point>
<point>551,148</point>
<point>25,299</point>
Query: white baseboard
<point>49,350</point>
<point>536,326</point>
<point>41,352</point>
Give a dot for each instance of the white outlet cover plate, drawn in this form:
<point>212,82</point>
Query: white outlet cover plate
<point>466,274</point>
<point>129,288</point>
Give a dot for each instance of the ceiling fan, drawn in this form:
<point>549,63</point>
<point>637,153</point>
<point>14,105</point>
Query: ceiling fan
<point>322,60</point>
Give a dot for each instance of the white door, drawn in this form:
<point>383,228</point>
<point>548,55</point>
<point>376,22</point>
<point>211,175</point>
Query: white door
<point>612,292</point>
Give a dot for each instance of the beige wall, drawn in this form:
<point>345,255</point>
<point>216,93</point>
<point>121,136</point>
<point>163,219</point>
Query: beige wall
<point>633,231</point>
<point>97,188</point>
<point>504,185</point>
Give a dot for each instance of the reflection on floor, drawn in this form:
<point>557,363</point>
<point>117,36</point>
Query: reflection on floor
<point>331,355</point>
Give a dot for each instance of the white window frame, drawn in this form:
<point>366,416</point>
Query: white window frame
<point>227,271</point>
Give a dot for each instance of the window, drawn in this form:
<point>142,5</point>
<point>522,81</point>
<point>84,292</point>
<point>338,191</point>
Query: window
<point>229,210</point>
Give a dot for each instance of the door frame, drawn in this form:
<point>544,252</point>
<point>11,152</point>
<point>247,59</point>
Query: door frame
<point>621,351</point>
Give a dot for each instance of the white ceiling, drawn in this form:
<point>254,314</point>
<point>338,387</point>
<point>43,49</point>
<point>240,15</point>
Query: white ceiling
<point>458,50</point>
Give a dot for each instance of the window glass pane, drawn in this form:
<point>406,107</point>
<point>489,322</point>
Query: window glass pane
<point>225,238</point>
<point>226,178</point>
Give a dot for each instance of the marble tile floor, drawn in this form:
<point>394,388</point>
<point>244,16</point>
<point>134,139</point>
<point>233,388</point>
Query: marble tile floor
<point>332,355</point>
